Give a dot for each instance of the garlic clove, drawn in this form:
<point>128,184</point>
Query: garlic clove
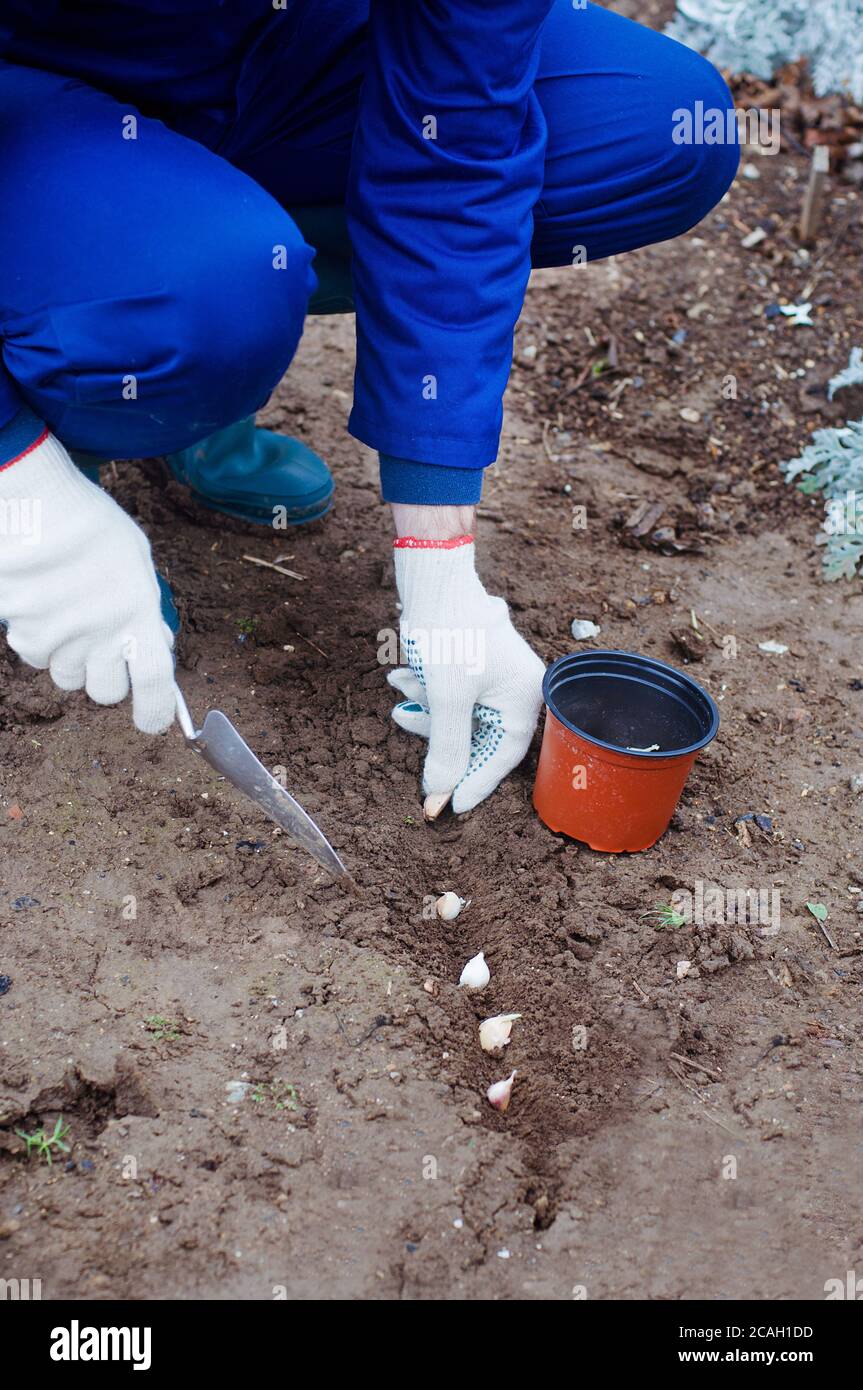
<point>494,1032</point>
<point>476,973</point>
<point>434,804</point>
<point>449,905</point>
<point>500,1092</point>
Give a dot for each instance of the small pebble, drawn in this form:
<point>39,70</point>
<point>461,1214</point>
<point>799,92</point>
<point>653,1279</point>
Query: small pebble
<point>753,239</point>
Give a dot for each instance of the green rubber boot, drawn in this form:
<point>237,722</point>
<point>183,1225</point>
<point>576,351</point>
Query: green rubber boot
<point>256,475</point>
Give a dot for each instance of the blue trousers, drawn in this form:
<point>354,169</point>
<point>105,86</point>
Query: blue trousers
<point>141,221</point>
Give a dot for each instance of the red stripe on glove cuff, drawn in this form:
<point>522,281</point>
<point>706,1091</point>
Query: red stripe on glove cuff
<point>419,543</point>
<point>24,452</point>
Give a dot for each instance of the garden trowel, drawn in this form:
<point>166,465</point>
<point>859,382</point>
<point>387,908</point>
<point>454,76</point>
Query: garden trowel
<point>221,746</point>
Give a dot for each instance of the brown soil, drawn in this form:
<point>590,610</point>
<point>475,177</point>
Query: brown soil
<point>364,1161</point>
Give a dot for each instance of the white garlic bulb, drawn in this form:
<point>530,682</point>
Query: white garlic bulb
<point>476,973</point>
<point>500,1092</point>
<point>449,905</point>
<point>494,1032</point>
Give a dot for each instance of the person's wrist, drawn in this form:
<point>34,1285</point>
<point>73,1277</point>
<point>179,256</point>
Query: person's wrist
<point>433,523</point>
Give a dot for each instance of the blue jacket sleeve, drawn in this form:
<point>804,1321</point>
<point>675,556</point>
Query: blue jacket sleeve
<point>447,166</point>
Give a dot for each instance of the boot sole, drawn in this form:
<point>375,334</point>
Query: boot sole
<point>295,516</point>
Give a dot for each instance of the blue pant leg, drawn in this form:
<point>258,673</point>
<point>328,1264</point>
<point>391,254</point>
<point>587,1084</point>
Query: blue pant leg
<point>296,116</point>
<point>10,400</point>
<point>614,177</point>
<point>150,292</point>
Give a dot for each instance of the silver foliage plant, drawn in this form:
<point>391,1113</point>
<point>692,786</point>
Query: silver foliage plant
<point>758,36</point>
<point>832,464</point>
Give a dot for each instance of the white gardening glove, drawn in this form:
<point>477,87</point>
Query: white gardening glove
<point>473,686</point>
<point>78,591</point>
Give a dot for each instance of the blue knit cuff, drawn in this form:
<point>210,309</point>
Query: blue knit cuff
<point>429,484</point>
<point>22,431</point>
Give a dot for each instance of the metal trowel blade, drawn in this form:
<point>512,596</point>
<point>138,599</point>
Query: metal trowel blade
<point>219,744</point>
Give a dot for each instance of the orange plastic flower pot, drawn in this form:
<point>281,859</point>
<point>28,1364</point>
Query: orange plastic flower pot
<point>621,733</point>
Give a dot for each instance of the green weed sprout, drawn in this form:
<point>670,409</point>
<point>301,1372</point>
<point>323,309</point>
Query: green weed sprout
<point>44,1143</point>
<point>163,1029</point>
<point>281,1094</point>
<point>665,915</point>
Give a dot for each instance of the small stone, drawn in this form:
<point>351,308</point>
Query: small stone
<point>753,239</point>
<point>582,628</point>
<point>683,969</point>
<point>689,415</point>
<point>856,783</point>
